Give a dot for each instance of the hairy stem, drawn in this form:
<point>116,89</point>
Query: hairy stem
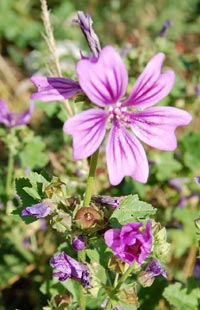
<point>49,38</point>
<point>9,176</point>
<point>91,177</point>
<point>119,284</point>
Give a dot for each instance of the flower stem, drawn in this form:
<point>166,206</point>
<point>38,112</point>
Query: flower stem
<point>9,172</point>
<point>90,181</point>
<point>119,284</point>
<point>82,300</point>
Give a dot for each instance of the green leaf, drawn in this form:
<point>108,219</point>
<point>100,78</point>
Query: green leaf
<point>27,219</point>
<point>190,148</point>
<point>181,297</point>
<point>93,255</point>
<point>32,192</point>
<point>131,209</point>
<point>33,155</point>
<point>26,199</point>
<point>166,165</point>
<point>50,109</point>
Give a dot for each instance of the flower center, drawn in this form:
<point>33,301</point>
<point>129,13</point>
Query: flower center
<point>117,112</point>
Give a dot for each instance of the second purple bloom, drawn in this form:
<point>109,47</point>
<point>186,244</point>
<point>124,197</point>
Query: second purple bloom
<point>130,243</point>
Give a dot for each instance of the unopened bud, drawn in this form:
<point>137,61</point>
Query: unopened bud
<point>62,298</point>
<point>145,280</point>
<point>197,223</point>
<point>85,22</point>
<point>161,235</point>
<point>78,243</point>
<point>116,265</point>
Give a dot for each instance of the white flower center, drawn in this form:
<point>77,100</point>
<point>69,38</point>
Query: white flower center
<point>117,112</point>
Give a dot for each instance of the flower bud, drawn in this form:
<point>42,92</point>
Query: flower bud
<point>116,264</point>
<point>161,235</point>
<point>145,280</point>
<point>55,188</point>
<point>78,243</point>
<point>197,223</point>
<point>62,298</point>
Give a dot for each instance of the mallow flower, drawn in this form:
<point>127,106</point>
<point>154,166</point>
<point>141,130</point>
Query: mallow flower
<point>197,179</point>
<point>130,243</point>
<point>12,119</point>
<point>38,210</point>
<point>104,80</point>
<point>155,269</point>
<point>70,268</point>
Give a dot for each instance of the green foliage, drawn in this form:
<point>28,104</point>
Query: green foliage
<point>190,147</point>
<point>164,165</point>
<point>131,209</point>
<point>183,297</point>
<point>33,155</point>
<point>185,237</point>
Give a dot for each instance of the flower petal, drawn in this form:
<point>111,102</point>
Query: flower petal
<point>112,238</point>
<point>11,119</point>
<point>156,126</point>
<point>103,79</point>
<point>39,210</point>
<point>88,130</point>
<point>125,156</point>
<point>23,118</point>
<point>3,111</point>
<point>152,85</point>
<point>54,89</point>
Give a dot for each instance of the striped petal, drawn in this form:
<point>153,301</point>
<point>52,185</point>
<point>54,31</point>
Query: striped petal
<point>54,89</point>
<point>88,130</point>
<point>152,85</point>
<point>103,79</point>
<point>156,126</point>
<point>125,156</point>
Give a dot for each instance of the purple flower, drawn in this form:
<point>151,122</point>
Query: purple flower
<point>54,89</point>
<point>104,80</point>
<point>78,243</point>
<point>130,243</point>
<point>85,22</point>
<point>197,179</point>
<point>39,210</point>
<point>70,268</point>
<point>177,183</point>
<point>107,200</point>
<point>12,119</point>
<point>154,269</point>
<point>165,28</point>
<point>196,270</point>
<point>197,90</point>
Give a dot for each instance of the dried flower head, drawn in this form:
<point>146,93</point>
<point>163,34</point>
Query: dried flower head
<point>87,217</point>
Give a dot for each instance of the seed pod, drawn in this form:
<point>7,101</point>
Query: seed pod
<point>87,217</point>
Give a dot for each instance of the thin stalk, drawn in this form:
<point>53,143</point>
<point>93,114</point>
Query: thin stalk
<point>49,37</point>
<point>10,169</point>
<point>119,284</point>
<point>91,177</point>
<point>82,300</point>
